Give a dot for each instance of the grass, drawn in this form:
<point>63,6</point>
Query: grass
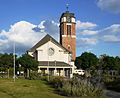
<point>26,89</point>
<point>23,88</point>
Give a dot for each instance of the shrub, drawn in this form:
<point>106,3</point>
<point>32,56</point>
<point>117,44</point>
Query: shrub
<point>56,81</point>
<point>77,88</point>
<point>35,75</point>
<point>44,78</point>
<point>65,89</point>
<point>114,85</point>
<point>107,78</point>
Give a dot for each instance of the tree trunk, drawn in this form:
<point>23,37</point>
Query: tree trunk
<point>25,73</point>
<point>8,72</point>
<point>28,73</point>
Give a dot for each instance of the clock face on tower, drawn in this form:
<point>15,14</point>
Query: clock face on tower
<point>51,51</point>
<point>68,19</point>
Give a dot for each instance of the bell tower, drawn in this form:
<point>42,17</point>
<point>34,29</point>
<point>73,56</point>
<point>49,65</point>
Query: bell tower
<point>68,32</point>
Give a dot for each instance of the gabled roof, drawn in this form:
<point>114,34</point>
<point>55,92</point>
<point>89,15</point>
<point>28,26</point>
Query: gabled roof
<point>45,40</point>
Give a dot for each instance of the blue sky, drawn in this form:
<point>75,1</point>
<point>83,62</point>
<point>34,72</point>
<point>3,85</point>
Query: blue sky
<point>97,24</point>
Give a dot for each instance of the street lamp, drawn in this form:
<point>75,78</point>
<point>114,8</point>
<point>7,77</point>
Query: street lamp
<point>55,67</point>
<point>14,60</point>
<point>70,64</point>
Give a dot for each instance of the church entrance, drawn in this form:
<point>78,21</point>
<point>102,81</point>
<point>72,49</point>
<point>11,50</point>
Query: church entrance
<point>43,70</point>
<point>59,71</point>
<point>51,71</point>
<point>67,72</point>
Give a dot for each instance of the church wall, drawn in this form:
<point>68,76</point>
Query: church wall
<point>59,54</point>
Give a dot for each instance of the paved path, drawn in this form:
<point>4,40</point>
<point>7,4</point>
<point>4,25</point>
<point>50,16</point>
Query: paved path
<point>112,94</point>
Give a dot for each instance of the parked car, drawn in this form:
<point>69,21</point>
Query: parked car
<point>79,71</point>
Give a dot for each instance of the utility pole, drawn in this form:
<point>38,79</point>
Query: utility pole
<point>14,60</point>
<point>48,62</point>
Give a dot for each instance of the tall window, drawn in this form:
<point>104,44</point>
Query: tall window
<point>68,29</point>
<point>62,29</point>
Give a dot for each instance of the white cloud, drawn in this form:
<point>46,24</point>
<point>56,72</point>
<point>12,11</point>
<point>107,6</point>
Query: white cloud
<point>87,41</point>
<point>110,34</point>
<point>41,25</point>
<point>84,32</point>
<point>57,24</point>
<point>51,27</point>
<point>21,32</point>
<point>87,37</point>
<point>89,50</point>
<point>25,35</point>
<point>88,32</point>
<point>113,29</point>
<point>111,38</point>
<point>85,25</point>
<point>2,42</point>
<point>109,5</point>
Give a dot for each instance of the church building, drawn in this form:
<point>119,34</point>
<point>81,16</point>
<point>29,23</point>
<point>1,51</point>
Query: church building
<point>57,58</point>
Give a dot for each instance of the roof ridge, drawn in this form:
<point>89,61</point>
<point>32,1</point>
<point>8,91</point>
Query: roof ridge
<point>45,39</point>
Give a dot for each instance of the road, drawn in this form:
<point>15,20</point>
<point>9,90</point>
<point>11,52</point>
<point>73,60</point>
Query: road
<point>112,94</point>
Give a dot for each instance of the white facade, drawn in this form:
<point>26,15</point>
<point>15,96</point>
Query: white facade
<point>59,55</point>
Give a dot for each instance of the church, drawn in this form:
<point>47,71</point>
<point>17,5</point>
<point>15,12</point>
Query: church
<point>57,58</point>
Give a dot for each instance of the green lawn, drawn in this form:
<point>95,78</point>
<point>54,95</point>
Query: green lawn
<point>26,89</point>
<point>23,88</point>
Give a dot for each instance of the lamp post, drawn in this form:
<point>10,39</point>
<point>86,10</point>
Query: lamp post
<point>70,64</point>
<point>48,59</point>
<point>14,60</point>
<point>55,67</point>
<point>48,69</point>
<point>48,62</point>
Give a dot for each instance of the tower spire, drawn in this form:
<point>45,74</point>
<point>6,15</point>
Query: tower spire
<point>67,6</point>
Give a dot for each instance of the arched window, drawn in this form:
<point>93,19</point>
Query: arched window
<point>68,29</point>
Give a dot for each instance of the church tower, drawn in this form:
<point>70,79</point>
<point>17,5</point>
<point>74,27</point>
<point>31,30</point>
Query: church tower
<point>68,32</point>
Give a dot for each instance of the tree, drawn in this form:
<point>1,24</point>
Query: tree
<point>87,60</point>
<point>28,63</point>
<point>2,68</point>
<point>6,61</point>
<point>117,63</point>
<point>110,62</point>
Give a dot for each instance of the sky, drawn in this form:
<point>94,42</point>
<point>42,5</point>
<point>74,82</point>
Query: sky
<point>25,22</point>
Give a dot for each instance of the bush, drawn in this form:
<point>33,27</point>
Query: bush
<point>107,78</point>
<point>44,78</point>
<point>35,75</point>
<point>77,88</point>
<point>56,81</point>
<point>114,85</point>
